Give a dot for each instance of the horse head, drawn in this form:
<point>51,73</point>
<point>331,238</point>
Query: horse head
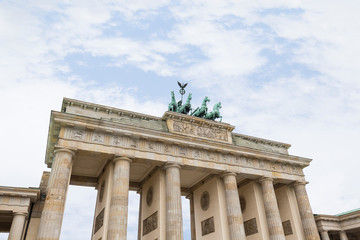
<point>217,106</point>
<point>190,96</point>
<point>206,99</point>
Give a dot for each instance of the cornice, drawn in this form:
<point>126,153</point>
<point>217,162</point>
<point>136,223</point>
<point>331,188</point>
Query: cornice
<point>32,193</point>
<point>106,109</point>
<point>263,141</point>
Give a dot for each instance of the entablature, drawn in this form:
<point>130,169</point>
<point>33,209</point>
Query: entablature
<point>80,131</point>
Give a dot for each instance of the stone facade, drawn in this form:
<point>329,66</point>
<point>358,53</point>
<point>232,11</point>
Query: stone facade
<point>240,187</point>
<point>343,226</point>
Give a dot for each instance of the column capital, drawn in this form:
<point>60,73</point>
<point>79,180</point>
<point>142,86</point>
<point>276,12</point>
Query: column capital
<point>20,213</point>
<point>172,164</point>
<point>118,158</point>
<point>65,150</point>
<point>225,174</point>
<point>263,179</point>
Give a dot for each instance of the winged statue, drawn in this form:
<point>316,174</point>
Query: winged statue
<point>182,85</point>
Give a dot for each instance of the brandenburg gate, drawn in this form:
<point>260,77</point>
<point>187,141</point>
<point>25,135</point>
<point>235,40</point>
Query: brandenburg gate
<point>239,187</point>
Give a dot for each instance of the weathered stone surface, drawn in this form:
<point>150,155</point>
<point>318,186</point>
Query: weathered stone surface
<point>117,228</point>
<point>307,217</point>
<point>250,227</point>
<point>173,202</point>
<point>52,215</point>
<point>150,223</point>
<point>99,222</point>
<point>234,215</point>
<point>207,226</point>
<point>276,231</point>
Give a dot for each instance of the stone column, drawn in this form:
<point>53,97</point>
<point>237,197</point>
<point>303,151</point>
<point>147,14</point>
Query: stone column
<point>307,217</point>
<point>17,226</point>
<point>174,228</point>
<point>53,212</point>
<point>119,199</point>
<point>190,196</point>
<point>233,208</point>
<point>140,214</point>
<point>343,235</point>
<point>271,209</point>
<point>324,235</point>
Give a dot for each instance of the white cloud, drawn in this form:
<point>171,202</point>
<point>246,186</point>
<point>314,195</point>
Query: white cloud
<point>217,45</point>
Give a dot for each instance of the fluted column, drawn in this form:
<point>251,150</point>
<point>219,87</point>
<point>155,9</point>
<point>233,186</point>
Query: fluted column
<point>174,228</point>
<point>119,199</point>
<point>271,209</point>
<point>307,217</point>
<point>324,235</point>
<point>190,196</point>
<point>53,212</point>
<point>17,226</point>
<point>343,235</point>
<point>233,208</point>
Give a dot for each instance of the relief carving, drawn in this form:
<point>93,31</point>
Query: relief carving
<point>205,201</point>
<point>101,193</point>
<point>149,196</point>
<point>99,222</point>
<point>200,131</point>
<point>116,140</point>
<point>98,137</point>
<point>182,151</point>
<point>287,227</point>
<point>79,135</point>
<point>250,227</point>
<point>211,155</point>
<point>133,143</point>
<point>196,154</point>
<point>242,203</point>
<point>150,223</point>
<point>167,148</point>
<point>150,146</point>
<point>207,226</point>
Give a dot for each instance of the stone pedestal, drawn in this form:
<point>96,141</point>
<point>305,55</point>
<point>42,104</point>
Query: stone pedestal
<point>307,217</point>
<point>276,231</point>
<point>174,228</point>
<point>324,235</point>
<point>343,235</point>
<point>17,226</point>
<point>53,212</point>
<point>234,215</point>
<point>119,199</point>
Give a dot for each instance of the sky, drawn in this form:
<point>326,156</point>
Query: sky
<point>283,70</point>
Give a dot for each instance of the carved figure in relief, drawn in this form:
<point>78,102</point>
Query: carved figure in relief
<point>79,134</point>
<point>215,113</point>
<point>116,140</point>
<point>185,109</point>
<point>201,111</point>
<point>98,138</point>
<point>173,106</point>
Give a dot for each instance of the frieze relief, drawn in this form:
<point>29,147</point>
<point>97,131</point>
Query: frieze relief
<point>200,131</point>
<point>181,151</point>
<point>150,223</point>
<point>98,137</point>
<point>207,226</point>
